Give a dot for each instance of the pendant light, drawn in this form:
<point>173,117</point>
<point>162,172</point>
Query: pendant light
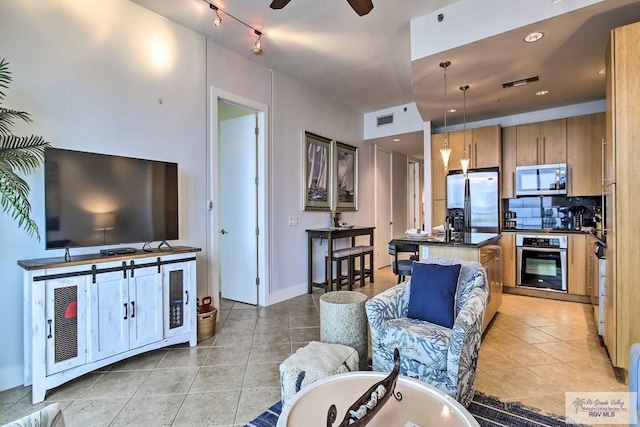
<point>445,151</point>
<point>465,160</point>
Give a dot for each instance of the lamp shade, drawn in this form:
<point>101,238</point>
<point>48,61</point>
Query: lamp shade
<point>446,153</point>
<point>464,162</point>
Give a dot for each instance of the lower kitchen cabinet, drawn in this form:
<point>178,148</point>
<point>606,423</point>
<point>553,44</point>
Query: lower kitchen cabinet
<point>100,310</point>
<point>508,243</point>
<point>491,260</point>
<point>577,262</point>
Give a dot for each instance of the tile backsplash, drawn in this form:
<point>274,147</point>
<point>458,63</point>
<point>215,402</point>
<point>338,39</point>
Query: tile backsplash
<point>549,212</point>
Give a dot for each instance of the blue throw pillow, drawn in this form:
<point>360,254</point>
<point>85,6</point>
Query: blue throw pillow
<point>432,293</point>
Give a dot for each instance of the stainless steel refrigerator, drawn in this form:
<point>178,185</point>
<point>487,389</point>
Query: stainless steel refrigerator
<point>484,197</point>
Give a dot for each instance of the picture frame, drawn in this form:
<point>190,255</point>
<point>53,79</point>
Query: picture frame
<point>318,182</point>
<point>345,177</point>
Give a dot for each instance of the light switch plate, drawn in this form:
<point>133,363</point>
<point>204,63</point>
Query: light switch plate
<point>293,221</point>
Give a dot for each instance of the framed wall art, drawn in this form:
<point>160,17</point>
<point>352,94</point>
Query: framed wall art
<point>346,177</point>
<point>317,173</point>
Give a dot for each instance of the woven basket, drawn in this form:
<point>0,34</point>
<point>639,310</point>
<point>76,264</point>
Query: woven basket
<point>207,324</point>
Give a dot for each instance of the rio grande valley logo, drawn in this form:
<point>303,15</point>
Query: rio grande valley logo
<point>601,408</point>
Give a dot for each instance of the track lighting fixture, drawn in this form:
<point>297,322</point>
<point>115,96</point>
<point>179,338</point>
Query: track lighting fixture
<point>216,19</point>
<point>445,151</point>
<point>257,47</point>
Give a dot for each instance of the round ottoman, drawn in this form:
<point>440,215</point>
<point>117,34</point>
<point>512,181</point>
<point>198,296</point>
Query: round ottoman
<point>343,321</point>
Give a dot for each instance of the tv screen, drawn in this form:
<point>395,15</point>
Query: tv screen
<point>97,199</point>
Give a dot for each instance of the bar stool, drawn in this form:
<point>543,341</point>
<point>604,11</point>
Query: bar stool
<point>403,267</point>
<point>362,272</point>
<point>340,256</point>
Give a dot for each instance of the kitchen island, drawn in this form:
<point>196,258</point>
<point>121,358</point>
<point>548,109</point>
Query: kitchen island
<point>479,247</point>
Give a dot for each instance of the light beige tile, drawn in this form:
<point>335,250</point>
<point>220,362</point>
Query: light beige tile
<point>213,378</point>
<point>304,321</point>
<point>253,402</point>
<point>184,357</point>
<point>92,412</point>
<point>14,395</point>
<point>229,355</point>
<point>269,353</point>
<point>112,385</point>
<point>208,409</point>
<point>262,375</point>
<point>168,381</point>
<point>149,411</point>
<point>305,334</point>
<point>142,361</point>
<point>527,355</point>
<point>531,335</point>
<point>564,333</point>
<point>262,337</point>
<point>490,358</point>
<point>274,322</point>
<point>15,411</point>
<point>240,340</point>
<point>564,352</point>
<point>71,390</point>
<point>251,313</point>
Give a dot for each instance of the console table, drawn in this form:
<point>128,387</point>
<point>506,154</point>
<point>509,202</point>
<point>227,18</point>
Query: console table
<point>94,310</point>
<point>331,234</point>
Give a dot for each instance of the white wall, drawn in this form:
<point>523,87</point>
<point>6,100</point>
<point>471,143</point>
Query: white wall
<point>91,74</point>
<point>406,118</point>
<point>296,109</point>
<point>399,193</point>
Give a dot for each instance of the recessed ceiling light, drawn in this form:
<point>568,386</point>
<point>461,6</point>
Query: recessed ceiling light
<point>542,92</point>
<point>396,139</point>
<point>452,110</point>
<point>533,37</point>
<point>603,71</point>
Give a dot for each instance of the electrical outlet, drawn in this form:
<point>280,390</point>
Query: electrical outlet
<point>293,221</point>
<point>425,252</point>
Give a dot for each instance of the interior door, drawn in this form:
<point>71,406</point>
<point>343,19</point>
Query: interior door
<point>383,207</point>
<point>238,237</point>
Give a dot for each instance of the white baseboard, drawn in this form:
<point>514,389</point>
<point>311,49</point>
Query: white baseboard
<point>11,376</point>
<point>288,293</point>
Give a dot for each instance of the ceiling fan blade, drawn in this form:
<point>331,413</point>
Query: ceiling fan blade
<point>279,4</point>
<point>362,7</point>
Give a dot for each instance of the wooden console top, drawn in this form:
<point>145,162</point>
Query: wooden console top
<point>56,262</point>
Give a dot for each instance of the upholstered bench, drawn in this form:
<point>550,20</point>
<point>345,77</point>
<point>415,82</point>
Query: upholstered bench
<point>314,362</point>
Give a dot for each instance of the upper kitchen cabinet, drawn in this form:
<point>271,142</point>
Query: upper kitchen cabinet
<point>541,143</point>
<point>508,165</point>
<point>585,135</point>
<point>485,150</point>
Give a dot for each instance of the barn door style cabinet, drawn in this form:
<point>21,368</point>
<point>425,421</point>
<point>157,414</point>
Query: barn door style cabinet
<point>95,310</point>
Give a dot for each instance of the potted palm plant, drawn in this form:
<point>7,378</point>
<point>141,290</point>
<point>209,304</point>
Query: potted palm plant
<point>18,155</point>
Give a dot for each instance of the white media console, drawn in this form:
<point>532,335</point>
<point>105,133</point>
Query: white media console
<point>93,310</point>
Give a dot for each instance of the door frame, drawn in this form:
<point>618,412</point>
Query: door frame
<point>375,199</point>
<point>213,270</point>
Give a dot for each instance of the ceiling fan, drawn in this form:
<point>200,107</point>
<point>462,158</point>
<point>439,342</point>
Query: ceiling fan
<point>362,7</point>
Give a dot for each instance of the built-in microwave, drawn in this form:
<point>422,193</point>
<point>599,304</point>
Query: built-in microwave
<point>540,180</point>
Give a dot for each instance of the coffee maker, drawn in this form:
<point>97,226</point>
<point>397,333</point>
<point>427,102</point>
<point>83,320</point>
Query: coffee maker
<point>456,219</point>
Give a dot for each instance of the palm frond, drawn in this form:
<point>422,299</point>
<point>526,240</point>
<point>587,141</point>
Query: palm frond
<point>7,119</point>
<point>5,76</point>
<point>22,153</point>
<point>13,200</point>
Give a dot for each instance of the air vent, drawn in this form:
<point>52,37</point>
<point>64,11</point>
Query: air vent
<point>520,82</point>
<point>385,120</point>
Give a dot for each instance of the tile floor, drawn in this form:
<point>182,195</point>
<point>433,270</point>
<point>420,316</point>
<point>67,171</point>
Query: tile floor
<point>535,351</point>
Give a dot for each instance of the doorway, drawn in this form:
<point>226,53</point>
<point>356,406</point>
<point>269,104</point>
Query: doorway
<point>238,266</point>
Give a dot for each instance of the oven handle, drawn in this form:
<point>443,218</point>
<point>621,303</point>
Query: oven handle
<point>539,249</point>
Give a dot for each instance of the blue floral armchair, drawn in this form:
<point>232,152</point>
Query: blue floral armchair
<point>443,357</point>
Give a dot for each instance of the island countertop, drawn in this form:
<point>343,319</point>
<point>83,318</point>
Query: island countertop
<point>476,240</point>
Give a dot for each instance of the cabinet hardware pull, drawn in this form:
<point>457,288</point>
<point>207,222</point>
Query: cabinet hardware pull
<point>132,268</point>
<point>544,149</point>
<point>50,335</point>
<point>124,270</point>
<point>513,188</point>
<point>537,150</point>
<point>158,261</point>
<point>94,271</point>
<point>187,299</point>
<point>126,310</point>
<point>133,309</point>
<point>475,154</point>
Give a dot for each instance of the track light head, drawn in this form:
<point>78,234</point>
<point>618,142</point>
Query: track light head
<point>217,20</point>
<point>257,47</point>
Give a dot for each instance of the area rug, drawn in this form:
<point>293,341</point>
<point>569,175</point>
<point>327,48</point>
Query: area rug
<point>489,411</point>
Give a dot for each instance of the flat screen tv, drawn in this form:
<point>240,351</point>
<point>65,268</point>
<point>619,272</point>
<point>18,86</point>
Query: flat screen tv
<point>97,199</point>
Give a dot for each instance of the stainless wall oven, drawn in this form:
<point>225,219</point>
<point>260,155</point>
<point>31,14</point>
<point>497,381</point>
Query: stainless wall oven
<point>542,262</point>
